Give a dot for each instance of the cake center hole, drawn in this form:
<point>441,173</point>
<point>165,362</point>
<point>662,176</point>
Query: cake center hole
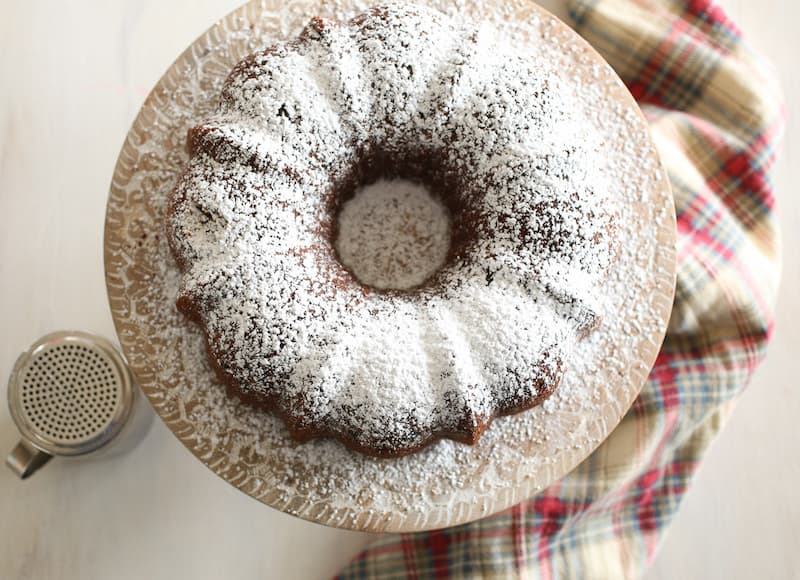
<point>393,234</point>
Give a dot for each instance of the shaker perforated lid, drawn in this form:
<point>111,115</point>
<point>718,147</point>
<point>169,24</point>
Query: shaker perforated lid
<point>70,393</point>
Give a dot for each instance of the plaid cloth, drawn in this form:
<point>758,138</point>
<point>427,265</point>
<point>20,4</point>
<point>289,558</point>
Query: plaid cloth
<point>717,116</point>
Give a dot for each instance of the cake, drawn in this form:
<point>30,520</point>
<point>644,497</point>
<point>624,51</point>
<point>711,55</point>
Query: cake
<point>401,92</point>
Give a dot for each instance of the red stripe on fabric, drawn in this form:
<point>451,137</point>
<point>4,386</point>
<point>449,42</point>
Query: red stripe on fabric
<point>644,88</point>
<point>696,39</point>
<point>646,513</point>
<point>551,506</point>
<point>742,165</point>
<point>649,479</point>
<point>665,375</point>
<point>720,347</point>
<point>654,80</point>
<point>409,559</point>
<point>438,543</point>
<point>713,13</point>
<point>552,511</point>
<point>518,532</point>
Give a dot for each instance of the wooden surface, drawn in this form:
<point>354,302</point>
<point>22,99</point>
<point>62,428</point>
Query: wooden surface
<point>74,76</point>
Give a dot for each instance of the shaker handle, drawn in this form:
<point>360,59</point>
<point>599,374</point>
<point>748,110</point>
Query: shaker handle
<point>25,459</point>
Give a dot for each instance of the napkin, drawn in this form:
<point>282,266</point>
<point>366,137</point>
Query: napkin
<point>716,115</point>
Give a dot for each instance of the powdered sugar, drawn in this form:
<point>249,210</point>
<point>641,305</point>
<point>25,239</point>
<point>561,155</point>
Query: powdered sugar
<point>289,326</point>
<point>449,482</point>
<point>393,234</point>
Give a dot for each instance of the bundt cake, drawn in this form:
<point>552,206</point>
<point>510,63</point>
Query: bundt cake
<point>399,94</point>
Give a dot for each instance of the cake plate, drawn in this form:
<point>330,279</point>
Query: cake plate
<point>448,483</point>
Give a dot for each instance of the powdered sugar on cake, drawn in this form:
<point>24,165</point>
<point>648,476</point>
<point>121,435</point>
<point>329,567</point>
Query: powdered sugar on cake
<point>393,234</point>
<point>391,372</point>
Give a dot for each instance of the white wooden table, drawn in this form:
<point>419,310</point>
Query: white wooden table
<point>73,77</point>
